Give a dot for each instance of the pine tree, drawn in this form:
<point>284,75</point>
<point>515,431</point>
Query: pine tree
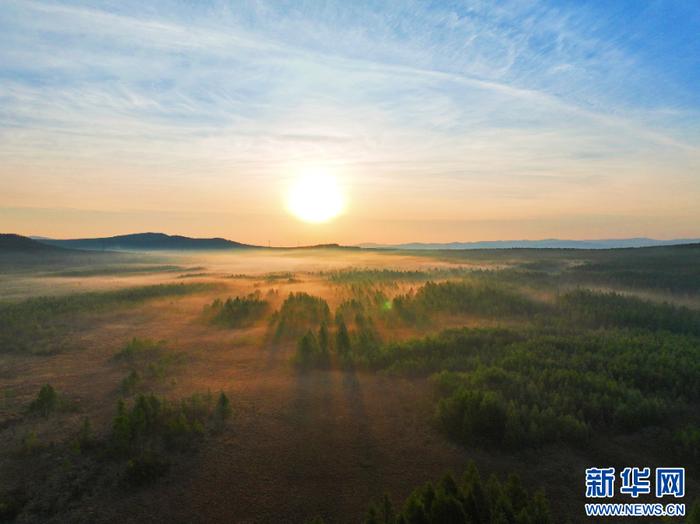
<point>45,402</point>
<point>342,341</point>
<point>307,350</point>
<point>323,338</point>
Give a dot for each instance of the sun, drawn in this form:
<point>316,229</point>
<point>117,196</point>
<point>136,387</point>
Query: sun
<point>315,197</point>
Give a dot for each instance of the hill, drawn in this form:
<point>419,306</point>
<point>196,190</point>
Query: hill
<point>18,244</point>
<point>147,242</point>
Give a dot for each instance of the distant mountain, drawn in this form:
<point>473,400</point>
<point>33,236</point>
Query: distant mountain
<point>11,244</point>
<point>147,242</point>
<point>551,243</point>
<point>318,246</point>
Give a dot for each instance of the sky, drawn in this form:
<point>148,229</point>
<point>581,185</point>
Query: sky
<point>441,121</point>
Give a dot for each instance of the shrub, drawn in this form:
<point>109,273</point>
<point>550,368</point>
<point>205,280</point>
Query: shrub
<point>139,350</point>
<point>146,359</point>
<point>46,401</point>
<point>128,385</point>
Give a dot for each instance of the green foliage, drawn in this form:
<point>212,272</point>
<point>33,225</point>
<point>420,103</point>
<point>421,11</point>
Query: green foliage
<point>616,310</point>
<point>121,436</point>
<point>672,269</point>
<point>146,433</point>
<point>555,381</point>
<point>498,294</point>
<point>367,299</point>
<point>509,388</point>
<point>237,312</point>
<point>39,325</point>
<point>156,424</point>
<point>46,402</point>
<point>299,313</point>
<point>286,276</point>
<point>140,349</point>
<point>86,437</point>
<point>486,299</point>
<point>147,360</point>
<point>372,276</point>
<point>119,270</point>
<point>343,346</point>
<point>687,443</point>
<point>349,308</point>
<point>310,354</point>
<point>324,337</point>
<point>130,383</point>
<point>382,513</point>
<point>468,502</point>
<point>362,346</point>
<point>366,340</point>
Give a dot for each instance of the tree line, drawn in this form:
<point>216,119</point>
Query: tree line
<point>468,500</point>
<point>237,312</point>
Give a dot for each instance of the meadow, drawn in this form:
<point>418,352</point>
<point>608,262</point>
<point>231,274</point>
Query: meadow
<point>343,385</point>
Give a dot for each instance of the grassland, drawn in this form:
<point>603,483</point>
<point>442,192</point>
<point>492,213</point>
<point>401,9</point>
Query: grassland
<point>287,386</point>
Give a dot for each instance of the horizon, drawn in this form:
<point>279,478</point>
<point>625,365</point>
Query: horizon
<point>529,120</point>
<point>641,241</point>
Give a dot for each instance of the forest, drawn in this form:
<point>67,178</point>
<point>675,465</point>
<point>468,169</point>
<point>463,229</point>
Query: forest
<point>462,387</point>
<point>583,365</point>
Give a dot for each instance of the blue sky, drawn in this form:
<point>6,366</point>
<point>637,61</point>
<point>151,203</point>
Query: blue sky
<point>443,120</point>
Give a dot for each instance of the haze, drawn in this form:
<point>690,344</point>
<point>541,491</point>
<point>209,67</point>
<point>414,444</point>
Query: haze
<point>441,123</point>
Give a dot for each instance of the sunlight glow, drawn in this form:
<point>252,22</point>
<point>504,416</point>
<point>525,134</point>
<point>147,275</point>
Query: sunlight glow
<point>315,197</point>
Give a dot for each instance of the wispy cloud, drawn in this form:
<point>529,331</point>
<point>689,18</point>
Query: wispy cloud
<point>522,101</point>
